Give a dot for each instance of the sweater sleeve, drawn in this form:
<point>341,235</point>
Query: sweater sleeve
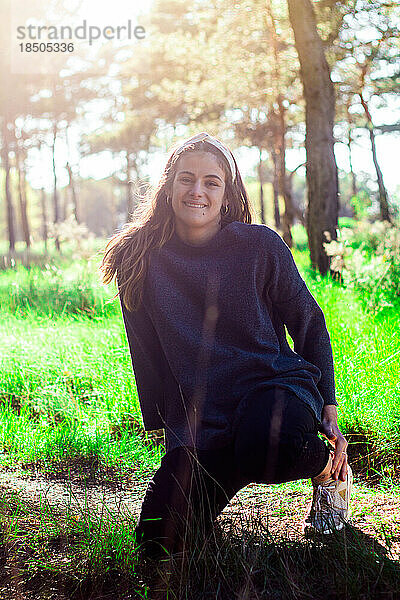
<point>148,362</point>
<point>303,317</point>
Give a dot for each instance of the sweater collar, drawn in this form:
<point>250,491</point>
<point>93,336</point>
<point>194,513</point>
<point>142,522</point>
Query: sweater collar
<point>216,241</point>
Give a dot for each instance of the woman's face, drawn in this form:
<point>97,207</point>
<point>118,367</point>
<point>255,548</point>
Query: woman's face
<point>197,194</point>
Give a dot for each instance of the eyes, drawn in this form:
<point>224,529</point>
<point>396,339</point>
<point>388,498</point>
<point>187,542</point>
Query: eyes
<point>208,183</point>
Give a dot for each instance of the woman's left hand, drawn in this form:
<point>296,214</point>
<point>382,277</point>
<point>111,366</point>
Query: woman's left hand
<point>329,428</point>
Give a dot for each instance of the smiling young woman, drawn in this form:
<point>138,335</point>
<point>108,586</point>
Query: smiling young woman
<point>205,296</point>
<point>198,193</point>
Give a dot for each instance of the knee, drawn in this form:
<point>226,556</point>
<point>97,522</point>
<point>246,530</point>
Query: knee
<point>260,460</point>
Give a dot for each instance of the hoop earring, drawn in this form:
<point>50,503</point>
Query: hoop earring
<point>168,201</point>
<point>225,209</point>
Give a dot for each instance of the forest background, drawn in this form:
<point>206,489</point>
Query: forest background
<point>306,94</point>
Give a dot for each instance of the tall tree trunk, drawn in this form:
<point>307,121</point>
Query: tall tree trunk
<point>135,187</point>
<point>7,189</point>
<point>44,217</point>
<point>354,189</point>
<point>64,203</point>
<point>383,196</point>
<point>298,213</point>
<point>288,217</point>
<point>260,179</point>
<point>129,203</point>
<point>19,163</point>
<point>56,207</point>
<point>322,176</point>
<point>73,193</point>
<point>113,210</point>
<point>275,187</point>
<point>350,148</point>
<point>72,186</point>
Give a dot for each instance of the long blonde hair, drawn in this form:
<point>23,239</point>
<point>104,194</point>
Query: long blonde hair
<point>126,255</point>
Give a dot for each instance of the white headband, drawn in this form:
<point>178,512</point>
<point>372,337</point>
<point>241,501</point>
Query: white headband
<point>211,140</point>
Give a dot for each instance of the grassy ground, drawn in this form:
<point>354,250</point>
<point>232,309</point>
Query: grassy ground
<point>87,551</point>
<point>68,391</point>
<point>366,351</point>
<point>69,410</point>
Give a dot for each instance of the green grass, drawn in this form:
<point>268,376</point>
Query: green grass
<point>68,391</point>
<point>79,553</point>
<point>68,401</point>
<point>88,554</point>
<point>50,290</point>
<point>366,351</point>
<point>70,250</point>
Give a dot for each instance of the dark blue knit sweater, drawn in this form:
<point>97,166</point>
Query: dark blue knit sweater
<point>211,329</point>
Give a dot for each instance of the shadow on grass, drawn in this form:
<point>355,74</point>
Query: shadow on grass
<point>251,564</point>
<point>47,555</point>
<point>370,459</point>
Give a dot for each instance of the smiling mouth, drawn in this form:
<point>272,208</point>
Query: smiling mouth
<point>195,205</point>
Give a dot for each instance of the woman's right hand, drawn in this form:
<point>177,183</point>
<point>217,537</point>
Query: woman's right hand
<point>329,428</point>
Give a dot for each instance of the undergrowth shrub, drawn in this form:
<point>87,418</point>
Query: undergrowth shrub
<point>367,258</point>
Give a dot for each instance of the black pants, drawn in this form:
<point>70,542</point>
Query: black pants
<point>275,440</point>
